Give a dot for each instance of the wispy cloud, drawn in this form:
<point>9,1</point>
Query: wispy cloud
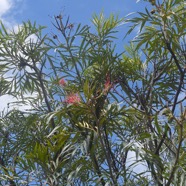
<point>5,6</point>
<point>9,103</point>
<point>8,10</point>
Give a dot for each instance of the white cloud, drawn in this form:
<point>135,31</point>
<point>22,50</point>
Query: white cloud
<point>9,103</point>
<point>13,7</point>
<point>135,166</point>
<point>5,6</point>
<point>133,161</point>
<point>8,10</point>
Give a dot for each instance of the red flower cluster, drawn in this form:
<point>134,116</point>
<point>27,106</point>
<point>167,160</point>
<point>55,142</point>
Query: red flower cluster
<point>108,84</point>
<point>72,99</point>
<point>62,82</point>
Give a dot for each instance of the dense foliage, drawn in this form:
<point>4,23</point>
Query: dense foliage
<point>92,108</point>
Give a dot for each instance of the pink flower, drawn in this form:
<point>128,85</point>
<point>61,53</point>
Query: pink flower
<point>62,82</point>
<point>72,99</point>
<point>108,85</point>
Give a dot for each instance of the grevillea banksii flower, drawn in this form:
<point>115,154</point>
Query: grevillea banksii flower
<point>108,84</point>
<point>72,99</point>
<point>62,82</point>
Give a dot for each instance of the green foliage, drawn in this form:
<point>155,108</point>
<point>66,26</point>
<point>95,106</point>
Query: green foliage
<point>113,114</point>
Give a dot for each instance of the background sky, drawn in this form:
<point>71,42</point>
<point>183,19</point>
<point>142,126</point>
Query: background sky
<point>79,11</point>
<point>14,12</point>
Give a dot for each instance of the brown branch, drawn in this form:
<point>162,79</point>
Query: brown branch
<point>62,28</point>
<point>96,167</point>
<point>106,155</point>
<point>162,141</point>
<point>92,155</point>
<point>11,181</point>
<point>174,56</point>
<point>177,156</point>
<point>39,76</point>
<point>110,153</point>
<point>168,44</point>
<point>178,90</point>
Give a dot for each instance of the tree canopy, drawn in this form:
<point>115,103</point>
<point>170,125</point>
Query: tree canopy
<point>95,113</point>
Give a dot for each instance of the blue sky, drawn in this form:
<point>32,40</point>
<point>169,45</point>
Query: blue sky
<point>80,11</point>
<point>13,12</point>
